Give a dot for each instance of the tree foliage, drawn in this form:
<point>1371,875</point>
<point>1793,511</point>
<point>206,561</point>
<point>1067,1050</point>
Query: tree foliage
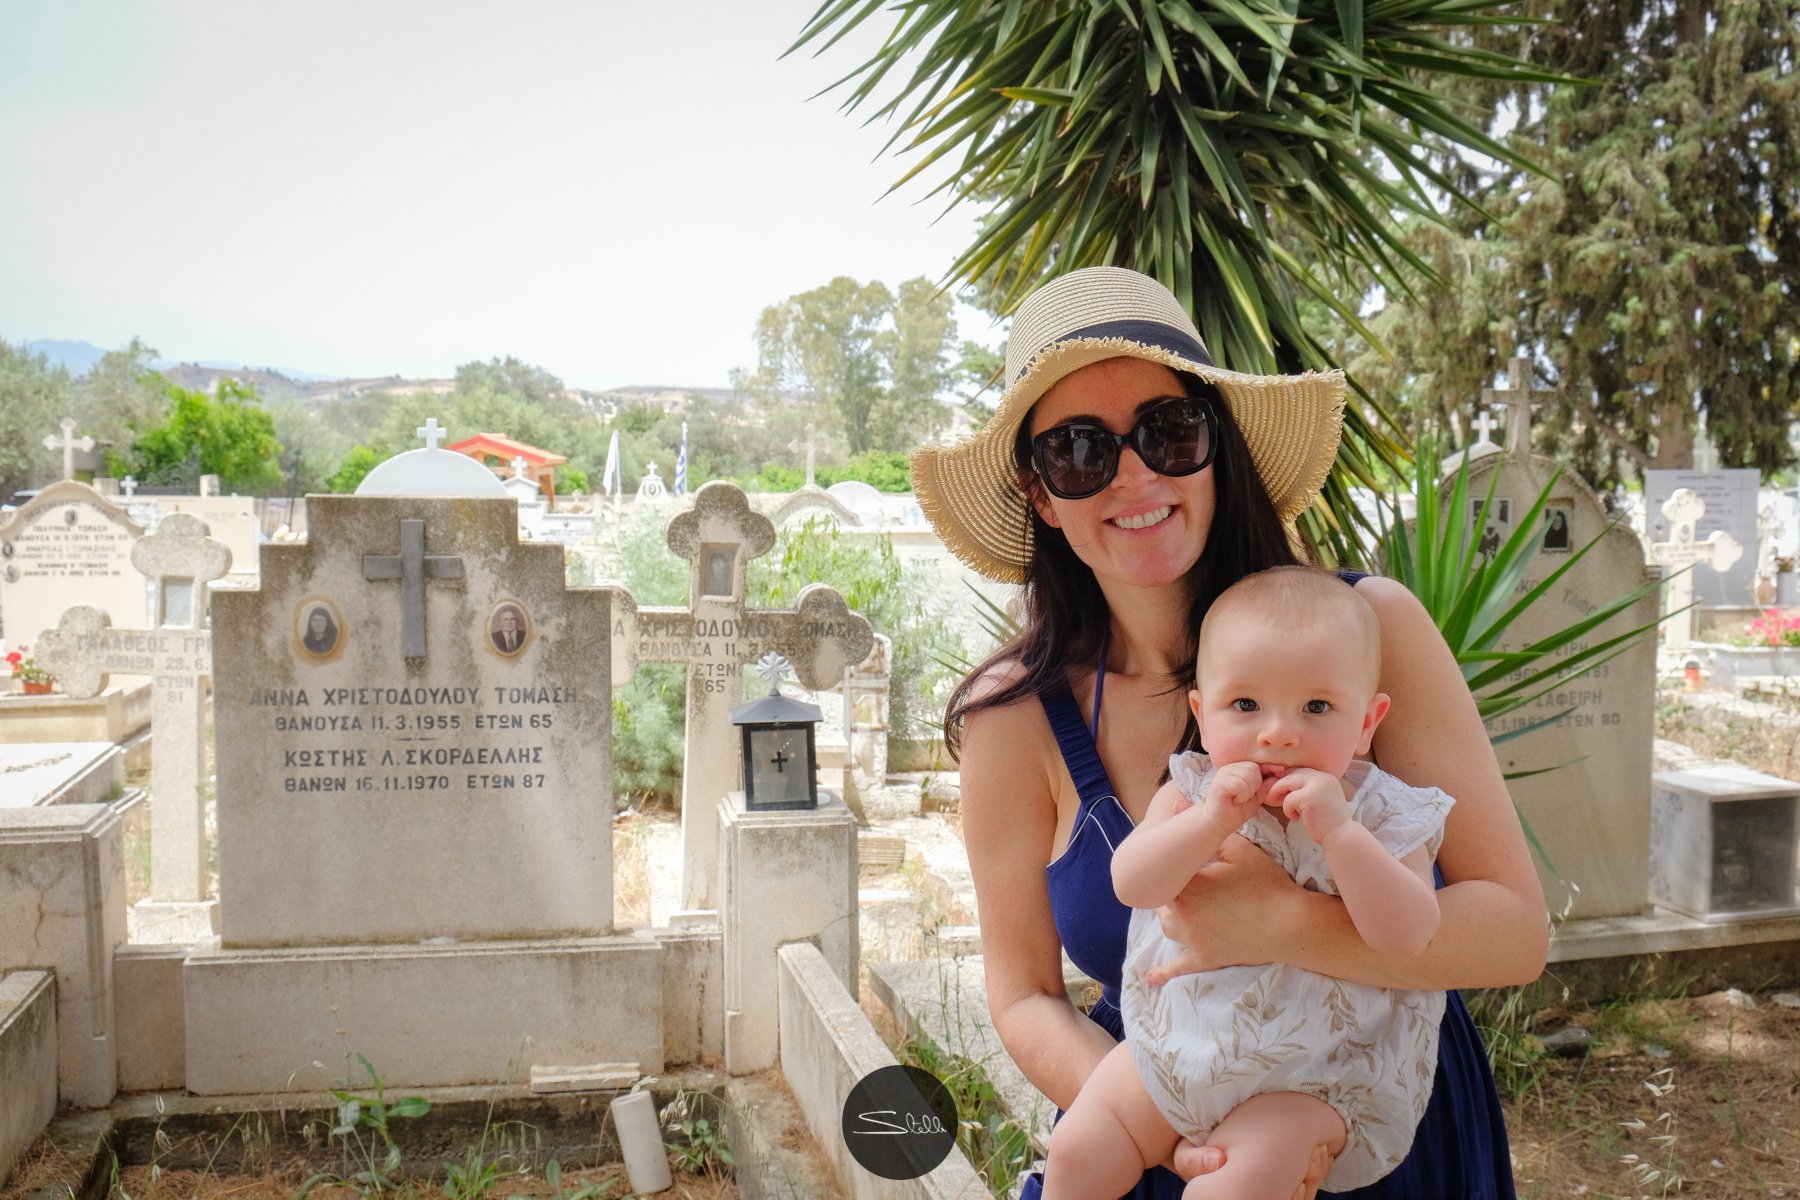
<point>228,434</point>
<point>33,395</point>
<point>1655,276</point>
<point>865,362</point>
<point>1245,152</point>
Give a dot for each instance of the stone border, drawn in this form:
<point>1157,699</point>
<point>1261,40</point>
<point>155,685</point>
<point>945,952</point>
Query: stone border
<point>27,1061</point>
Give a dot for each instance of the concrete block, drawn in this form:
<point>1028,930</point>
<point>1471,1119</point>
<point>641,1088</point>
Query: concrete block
<point>149,1012</point>
<point>116,715</point>
<point>693,965</point>
<point>27,1061</point>
<point>425,1016</point>
<point>787,876</point>
<point>1723,843</point>
<point>62,908</point>
<point>827,1045</point>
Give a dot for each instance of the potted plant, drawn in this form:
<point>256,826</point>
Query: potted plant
<point>35,680</point>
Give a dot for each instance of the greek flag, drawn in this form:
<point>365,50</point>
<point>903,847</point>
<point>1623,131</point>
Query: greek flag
<point>681,464</point>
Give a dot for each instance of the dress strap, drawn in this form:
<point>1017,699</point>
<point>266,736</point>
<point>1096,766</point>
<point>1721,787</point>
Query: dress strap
<point>1079,753</point>
<point>1099,687</point>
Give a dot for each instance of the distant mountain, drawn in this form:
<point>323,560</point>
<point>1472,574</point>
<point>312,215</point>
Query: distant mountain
<point>78,358</point>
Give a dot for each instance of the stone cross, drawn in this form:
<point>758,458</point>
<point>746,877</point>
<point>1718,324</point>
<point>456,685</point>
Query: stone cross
<point>1484,425</point>
<point>715,637</point>
<point>129,486</point>
<point>1706,455</point>
<point>84,649</point>
<point>1681,554</point>
<point>413,568</point>
<point>811,438</point>
<point>1515,397</point>
<point>68,444</point>
<point>432,432</point>
<point>519,466</point>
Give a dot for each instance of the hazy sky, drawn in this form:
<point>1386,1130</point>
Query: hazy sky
<point>610,189</point>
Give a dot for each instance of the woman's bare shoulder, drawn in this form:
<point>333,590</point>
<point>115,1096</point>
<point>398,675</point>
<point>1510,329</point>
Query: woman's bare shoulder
<point>1010,734</point>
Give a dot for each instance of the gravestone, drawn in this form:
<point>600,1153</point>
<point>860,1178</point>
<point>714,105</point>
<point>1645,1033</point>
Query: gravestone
<point>70,545</point>
<point>68,443</point>
<point>1689,559</point>
<point>1730,497</point>
<point>411,691</point>
<point>1591,812</point>
<point>715,636</point>
<point>175,653</point>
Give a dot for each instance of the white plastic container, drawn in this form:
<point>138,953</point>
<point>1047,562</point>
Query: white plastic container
<point>640,1141</point>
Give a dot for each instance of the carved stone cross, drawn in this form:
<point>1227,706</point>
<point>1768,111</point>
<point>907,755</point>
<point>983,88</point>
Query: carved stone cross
<point>1681,554</point>
<point>413,568</point>
<point>1515,398</point>
<point>68,444</point>
<point>129,486</point>
<point>1484,425</point>
<point>812,432</point>
<point>1706,455</point>
<point>84,649</point>
<point>432,432</point>
<point>716,636</point>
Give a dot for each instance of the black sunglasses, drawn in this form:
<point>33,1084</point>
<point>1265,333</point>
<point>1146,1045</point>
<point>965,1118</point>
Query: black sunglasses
<point>1078,459</point>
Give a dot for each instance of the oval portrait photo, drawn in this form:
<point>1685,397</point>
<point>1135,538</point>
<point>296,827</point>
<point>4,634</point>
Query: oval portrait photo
<point>319,627</point>
<point>509,630</point>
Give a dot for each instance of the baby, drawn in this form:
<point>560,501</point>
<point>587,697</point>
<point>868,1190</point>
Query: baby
<point>1268,1061</point>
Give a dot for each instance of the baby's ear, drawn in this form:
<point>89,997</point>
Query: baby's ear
<point>1194,703</point>
<point>1378,708</point>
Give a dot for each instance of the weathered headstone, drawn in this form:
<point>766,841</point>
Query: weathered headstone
<point>414,719</point>
<point>70,545</point>
<point>179,560</point>
<point>716,635</point>
<point>1684,555</point>
<point>1730,497</point>
<point>1591,813</point>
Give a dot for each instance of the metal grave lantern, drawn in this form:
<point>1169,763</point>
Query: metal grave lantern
<point>780,764</point>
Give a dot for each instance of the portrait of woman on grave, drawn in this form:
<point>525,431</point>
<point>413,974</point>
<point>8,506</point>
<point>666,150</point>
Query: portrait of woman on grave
<point>319,630</point>
<point>1126,480</point>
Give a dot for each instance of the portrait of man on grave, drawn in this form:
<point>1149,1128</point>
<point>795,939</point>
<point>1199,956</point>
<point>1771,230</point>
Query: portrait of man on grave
<point>319,629</point>
<point>508,629</point>
<point>717,578</point>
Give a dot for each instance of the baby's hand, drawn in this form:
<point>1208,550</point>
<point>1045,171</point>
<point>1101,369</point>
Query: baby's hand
<point>1235,794</point>
<point>1312,797</point>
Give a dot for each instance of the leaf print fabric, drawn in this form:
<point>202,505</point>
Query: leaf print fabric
<point>1205,1043</point>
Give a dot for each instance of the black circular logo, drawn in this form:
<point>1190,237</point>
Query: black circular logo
<point>899,1122</point>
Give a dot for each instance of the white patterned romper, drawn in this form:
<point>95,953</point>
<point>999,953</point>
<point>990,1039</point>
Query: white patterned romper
<point>1204,1043</point>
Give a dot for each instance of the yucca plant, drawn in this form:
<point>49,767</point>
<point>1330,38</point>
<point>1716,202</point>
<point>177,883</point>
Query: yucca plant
<point>1247,153</point>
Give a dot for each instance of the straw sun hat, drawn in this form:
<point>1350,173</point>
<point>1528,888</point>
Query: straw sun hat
<point>970,491</point>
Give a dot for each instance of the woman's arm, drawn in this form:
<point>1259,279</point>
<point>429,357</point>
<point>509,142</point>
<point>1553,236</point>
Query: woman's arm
<point>1009,825</point>
<point>1494,930</point>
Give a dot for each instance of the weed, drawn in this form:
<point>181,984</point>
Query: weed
<point>1515,1054</point>
<point>1649,1174</point>
<point>586,1191</point>
<point>998,1147</point>
<point>702,1148</point>
<point>371,1154</point>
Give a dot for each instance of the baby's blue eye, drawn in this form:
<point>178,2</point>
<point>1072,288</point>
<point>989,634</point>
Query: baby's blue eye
<point>1318,707</point>
<point>1244,704</point>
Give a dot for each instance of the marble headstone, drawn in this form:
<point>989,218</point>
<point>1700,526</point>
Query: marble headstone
<point>70,545</point>
<point>1730,497</point>
<point>1592,812</point>
<point>414,721</point>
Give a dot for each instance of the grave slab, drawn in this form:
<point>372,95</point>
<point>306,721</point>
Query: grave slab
<point>117,715</point>
<point>414,721</point>
<point>27,1061</point>
<point>425,1015</point>
<point>59,773</point>
<point>1723,843</point>
<point>62,908</point>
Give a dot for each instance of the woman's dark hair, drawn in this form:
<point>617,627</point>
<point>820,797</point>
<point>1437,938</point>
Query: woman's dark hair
<point>1066,615</point>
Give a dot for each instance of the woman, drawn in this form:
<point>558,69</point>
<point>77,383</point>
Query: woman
<point>1125,508</point>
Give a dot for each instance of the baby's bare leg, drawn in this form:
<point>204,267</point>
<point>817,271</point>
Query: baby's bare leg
<point>1268,1142</point>
<point>1109,1136</point>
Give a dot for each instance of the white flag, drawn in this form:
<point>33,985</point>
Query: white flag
<point>610,484</point>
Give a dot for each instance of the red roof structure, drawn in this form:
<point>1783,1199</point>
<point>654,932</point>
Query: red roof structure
<point>496,452</point>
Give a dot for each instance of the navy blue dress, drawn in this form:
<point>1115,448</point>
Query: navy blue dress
<point>1460,1149</point>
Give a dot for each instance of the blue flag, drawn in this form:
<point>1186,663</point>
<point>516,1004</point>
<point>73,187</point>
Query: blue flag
<point>681,464</point>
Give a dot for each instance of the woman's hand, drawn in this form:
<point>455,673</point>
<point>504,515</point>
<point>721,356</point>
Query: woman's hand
<point>1223,915</point>
<point>1190,1160</point>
